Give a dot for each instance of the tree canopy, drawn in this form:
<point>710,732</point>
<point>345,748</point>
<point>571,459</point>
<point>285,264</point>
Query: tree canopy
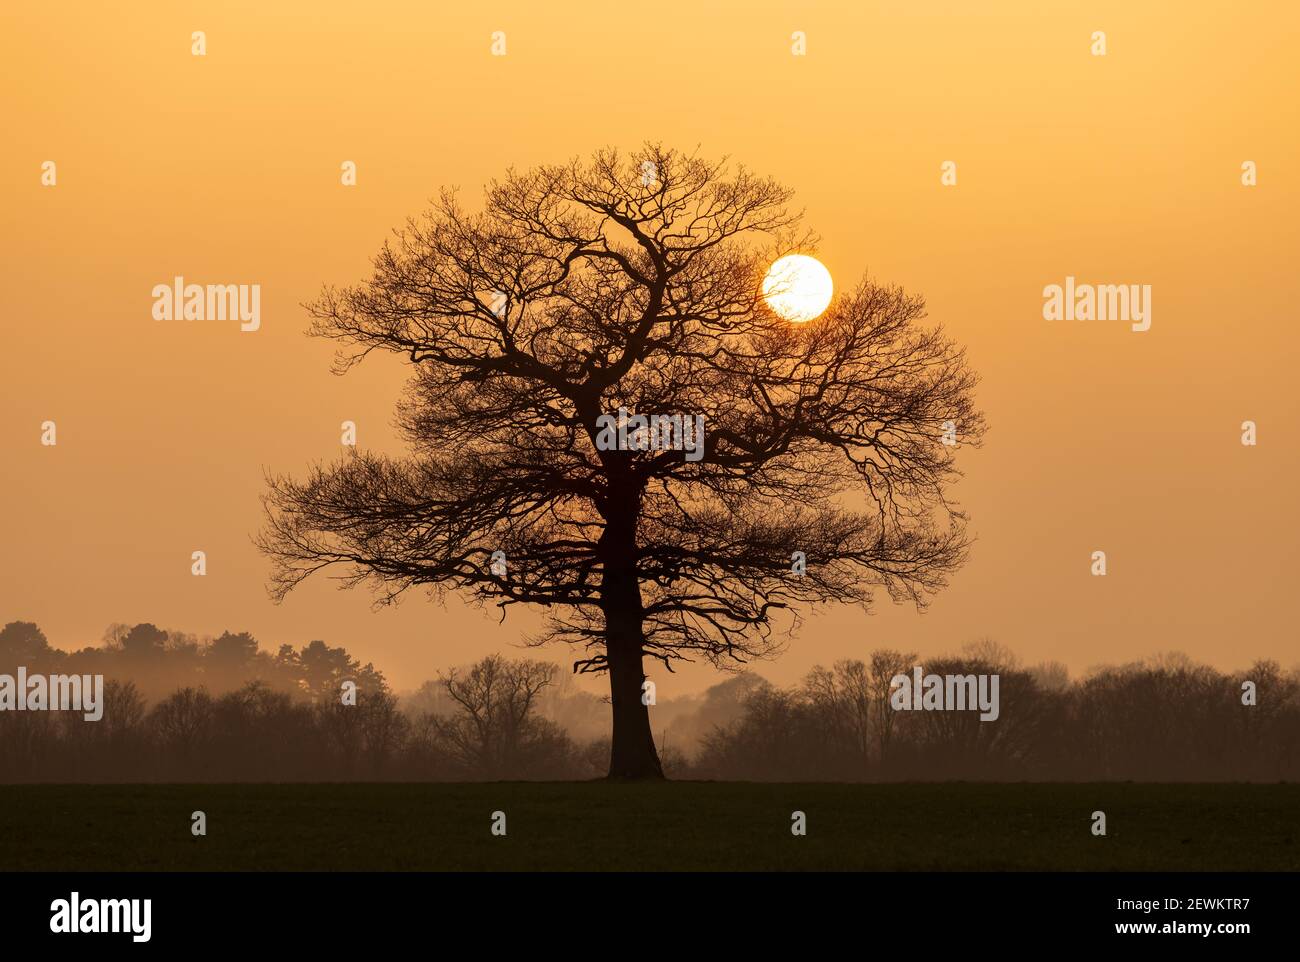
<point>634,282</point>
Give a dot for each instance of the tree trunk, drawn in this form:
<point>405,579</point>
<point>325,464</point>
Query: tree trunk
<point>633,754</point>
<point>632,751</point>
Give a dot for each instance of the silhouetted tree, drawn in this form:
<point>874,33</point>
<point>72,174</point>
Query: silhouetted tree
<point>144,641</point>
<point>634,282</point>
<point>229,660</point>
<point>22,643</point>
<point>886,664</point>
<point>319,671</point>
<point>183,723</point>
<point>843,697</point>
<point>495,731</point>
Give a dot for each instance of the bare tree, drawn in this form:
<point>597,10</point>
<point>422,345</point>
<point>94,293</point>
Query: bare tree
<point>886,665</point>
<point>496,725</point>
<point>635,282</point>
<point>843,694</point>
<point>184,722</point>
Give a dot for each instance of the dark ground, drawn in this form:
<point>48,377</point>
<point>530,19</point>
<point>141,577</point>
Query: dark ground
<point>674,826</point>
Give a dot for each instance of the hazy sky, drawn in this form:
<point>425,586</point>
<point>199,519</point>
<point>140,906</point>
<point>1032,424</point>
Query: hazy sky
<point>225,168</point>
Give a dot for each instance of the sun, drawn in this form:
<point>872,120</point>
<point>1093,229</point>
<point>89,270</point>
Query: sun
<point>798,287</point>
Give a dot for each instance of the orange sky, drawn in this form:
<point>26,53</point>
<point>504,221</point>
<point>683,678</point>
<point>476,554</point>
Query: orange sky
<point>225,169</point>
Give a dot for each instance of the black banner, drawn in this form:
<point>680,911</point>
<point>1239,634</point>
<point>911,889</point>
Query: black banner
<point>336,910</point>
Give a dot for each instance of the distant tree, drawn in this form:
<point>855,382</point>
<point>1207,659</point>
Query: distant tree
<point>22,643</point>
<point>635,282</point>
<point>1051,676</point>
<point>124,708</point>
<point>843,696</point>
<point>886,664</point>
<point>992,653</point>
<point>230,661</point>
<point>495,731</point>
<point>231,649</point>
<point>144,642</point>
<point>319,671</point>
<point>184,723</point>
<point>384,729</point>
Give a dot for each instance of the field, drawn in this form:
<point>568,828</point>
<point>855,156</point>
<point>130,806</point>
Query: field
<point>675,826</point>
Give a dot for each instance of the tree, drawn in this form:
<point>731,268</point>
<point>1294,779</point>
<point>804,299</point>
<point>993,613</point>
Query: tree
<point>495,730</point>
<point>23,643</point>
<point>229,660</point>
<point>145,642</point>
<point>843,695</point>
<point>319,671</point>
<point>184,722</point>
<point>634,282</point>
<point>886,665</point>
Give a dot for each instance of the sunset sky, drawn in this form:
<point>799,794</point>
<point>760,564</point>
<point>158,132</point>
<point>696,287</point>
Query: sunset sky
<point>225,168</point>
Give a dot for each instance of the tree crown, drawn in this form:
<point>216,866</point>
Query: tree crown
<point>634,282</point>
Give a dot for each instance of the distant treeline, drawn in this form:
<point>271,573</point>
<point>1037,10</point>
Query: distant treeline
<point>1163,720</point>
<point>180,709</point>
<point>183,709</point>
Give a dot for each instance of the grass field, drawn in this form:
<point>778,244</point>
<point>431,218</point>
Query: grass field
<point>675,826</point>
